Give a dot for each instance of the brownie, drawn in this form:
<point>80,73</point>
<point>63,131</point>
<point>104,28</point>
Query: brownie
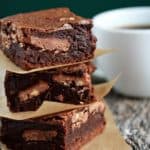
<point>47,38</point>
<point>62,131</point>
<point>71,84</point>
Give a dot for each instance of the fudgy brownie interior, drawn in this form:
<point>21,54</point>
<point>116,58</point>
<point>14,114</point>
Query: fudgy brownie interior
<point>71,84</point>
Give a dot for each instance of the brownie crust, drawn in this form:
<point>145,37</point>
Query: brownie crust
<point>71,84</point>
<point>46,20</point>
<point>47,38</point>
<point>63,131</point>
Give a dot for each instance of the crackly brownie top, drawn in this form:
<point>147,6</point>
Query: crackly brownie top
<point>46,20</point>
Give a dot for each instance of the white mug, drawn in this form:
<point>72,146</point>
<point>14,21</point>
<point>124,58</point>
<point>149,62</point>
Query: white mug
<point>132,55</point>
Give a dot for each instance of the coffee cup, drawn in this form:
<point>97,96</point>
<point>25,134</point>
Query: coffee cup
<point>127,32</point>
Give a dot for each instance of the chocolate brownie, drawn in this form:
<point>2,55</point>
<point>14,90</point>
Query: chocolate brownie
<point>47,38</point>
<point>62,131</point>
<point>71,84</point>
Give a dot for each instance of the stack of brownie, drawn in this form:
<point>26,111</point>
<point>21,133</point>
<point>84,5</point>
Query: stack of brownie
<point>44,39</point>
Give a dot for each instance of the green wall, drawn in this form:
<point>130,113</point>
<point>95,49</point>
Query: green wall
<point>86,8</point>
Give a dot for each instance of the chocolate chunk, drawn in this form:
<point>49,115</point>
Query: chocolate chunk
<point>50,44</point>
<point>33,91</point>
<point>37,135</point>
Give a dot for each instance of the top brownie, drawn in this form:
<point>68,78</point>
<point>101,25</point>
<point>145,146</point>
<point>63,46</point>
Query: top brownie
<point>46,38</point>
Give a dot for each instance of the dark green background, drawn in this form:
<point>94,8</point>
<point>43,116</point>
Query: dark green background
<point>86,8</point>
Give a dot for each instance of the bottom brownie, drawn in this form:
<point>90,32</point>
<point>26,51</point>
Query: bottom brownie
<point>67,130</point>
